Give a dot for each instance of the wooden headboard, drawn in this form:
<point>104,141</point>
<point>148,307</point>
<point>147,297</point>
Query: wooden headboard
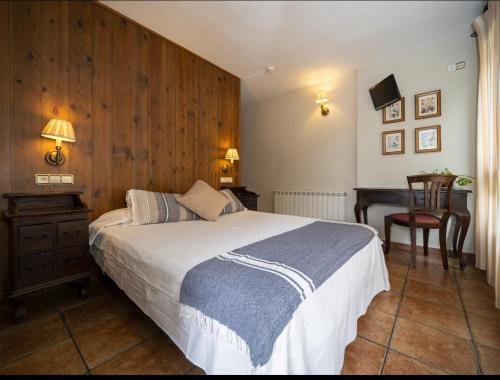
<point>146,112</point>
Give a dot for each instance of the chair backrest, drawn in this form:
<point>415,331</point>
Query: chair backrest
<point>433,184</point>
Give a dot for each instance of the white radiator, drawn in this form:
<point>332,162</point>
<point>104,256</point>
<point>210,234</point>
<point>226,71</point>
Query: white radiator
<point>314,204</point>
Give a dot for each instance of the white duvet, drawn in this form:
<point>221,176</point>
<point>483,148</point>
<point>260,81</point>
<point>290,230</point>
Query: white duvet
<point>149,263</point>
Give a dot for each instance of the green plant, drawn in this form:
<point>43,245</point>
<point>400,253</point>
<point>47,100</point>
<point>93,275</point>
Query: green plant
<point>462,179</point>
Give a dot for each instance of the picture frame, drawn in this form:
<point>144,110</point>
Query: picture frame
<point>428,104</point>
<point>395,112</point>
<point>393,142</point>
<point>428,139</point>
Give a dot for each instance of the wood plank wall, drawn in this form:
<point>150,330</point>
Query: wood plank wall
<point>146,112</point>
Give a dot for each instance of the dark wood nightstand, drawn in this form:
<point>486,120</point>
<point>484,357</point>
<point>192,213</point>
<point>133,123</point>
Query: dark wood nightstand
<point>248,198</point>
<point>48,243</point>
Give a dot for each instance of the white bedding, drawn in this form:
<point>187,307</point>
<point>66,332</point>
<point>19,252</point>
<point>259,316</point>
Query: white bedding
<point>149,263</point>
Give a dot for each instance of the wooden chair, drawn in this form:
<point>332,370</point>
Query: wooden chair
<point>425,212</point>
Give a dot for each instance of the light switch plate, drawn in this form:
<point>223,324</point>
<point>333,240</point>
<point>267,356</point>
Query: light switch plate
<point>460,65</point>
<point>451,67</point>
<point>55,179</point>
<point>67,179</point>
<point>226,179</point>
<point>41,179</point>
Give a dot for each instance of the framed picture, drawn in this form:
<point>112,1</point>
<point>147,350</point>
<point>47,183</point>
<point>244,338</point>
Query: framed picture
<point>395,112</point>
<point>428,104</point>
<point>428,139</point>
<point>393,142</point>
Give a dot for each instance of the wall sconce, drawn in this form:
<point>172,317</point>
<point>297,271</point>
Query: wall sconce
<point>59,130</point>
<point>231,155</point>
<point>322,99</point>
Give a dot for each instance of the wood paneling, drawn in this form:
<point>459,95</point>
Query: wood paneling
<point>147,113</point>
<point>186,126</point>
<point>140,136</point>
<point>123,96</point>
<point>4,126</point>
<point>80,98</point>
<point>161,117</point>
<point>227,120</point>
<point>102,105</point>
<point>26,89</point>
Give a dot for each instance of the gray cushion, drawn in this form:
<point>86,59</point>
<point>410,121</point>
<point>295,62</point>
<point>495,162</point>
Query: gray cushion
<point>234,204</point>
<point>148,207</point>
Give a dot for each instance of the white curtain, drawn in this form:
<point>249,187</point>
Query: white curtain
<point>487,27</point>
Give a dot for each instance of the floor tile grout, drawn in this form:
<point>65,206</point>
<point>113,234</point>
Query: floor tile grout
<point>422,362</point>
<point>448,332</point>
<point>125,350</point>
<point>56,310</point>
<point>25,355</point>
<point>119,314</point>
<point>395,319</point>
<point>477,359</point>
<point>397,316</point>
<point>61,314</point>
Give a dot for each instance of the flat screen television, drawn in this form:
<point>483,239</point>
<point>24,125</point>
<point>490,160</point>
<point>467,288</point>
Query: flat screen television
<point>385,92</point>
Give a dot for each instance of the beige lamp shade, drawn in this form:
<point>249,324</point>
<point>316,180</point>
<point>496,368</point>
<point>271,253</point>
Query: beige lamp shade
<point>321,97</point>
<point>59,130</point>
<point>232,154</point>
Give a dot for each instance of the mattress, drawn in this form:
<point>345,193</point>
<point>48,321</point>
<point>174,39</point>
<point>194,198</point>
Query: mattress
<point>149,263</point>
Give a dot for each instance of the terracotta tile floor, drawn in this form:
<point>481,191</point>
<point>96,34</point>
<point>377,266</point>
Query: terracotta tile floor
<point>431,322</point>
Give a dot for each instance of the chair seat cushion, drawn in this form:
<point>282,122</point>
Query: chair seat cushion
<point>419,218</point>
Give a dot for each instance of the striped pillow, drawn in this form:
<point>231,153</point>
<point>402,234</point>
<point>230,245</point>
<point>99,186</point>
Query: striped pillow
<point>148,207</point>
<point>234,204</point>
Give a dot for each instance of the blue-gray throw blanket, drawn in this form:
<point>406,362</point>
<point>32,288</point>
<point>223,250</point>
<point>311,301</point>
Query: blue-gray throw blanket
<point>252,292</point>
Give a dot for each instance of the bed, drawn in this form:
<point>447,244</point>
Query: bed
<point>149,263</point>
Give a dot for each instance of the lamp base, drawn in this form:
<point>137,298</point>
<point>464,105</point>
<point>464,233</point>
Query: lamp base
<point>324,110</point>
<point>55,157</point>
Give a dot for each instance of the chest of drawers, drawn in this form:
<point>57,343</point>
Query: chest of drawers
<point>48,243</point>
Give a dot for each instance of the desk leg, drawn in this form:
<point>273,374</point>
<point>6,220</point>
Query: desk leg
<point>464,227</point>
<point>454,252</point>
<point>357,213</point>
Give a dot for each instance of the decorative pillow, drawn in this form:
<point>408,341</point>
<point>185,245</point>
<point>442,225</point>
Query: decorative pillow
<point>234,204</point>
<point>148,207</point>
<point>204,200</point>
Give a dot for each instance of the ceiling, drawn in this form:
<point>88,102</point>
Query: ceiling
<point>308,42</point>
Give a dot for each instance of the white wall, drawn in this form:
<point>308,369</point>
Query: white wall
<point>417,72</point>
<point>287,144</point>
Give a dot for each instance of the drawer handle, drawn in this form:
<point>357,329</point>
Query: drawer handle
<point>43,265</point>
<point>77,231</point>
<point>29,238</point>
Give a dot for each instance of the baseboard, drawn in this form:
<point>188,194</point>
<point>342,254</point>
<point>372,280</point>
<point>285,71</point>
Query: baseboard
<point>420,249</point>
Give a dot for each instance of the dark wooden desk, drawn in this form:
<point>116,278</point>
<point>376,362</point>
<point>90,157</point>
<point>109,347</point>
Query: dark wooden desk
<point>366,196</point>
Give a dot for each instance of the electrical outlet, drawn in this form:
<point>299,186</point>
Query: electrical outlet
<point>451,67</point>
<point>460,65</point>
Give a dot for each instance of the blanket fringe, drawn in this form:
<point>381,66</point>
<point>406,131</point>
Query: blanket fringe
<point>215,328</point>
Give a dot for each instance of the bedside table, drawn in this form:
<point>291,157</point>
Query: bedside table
<point>248,198</point>
<point>48,243</point>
